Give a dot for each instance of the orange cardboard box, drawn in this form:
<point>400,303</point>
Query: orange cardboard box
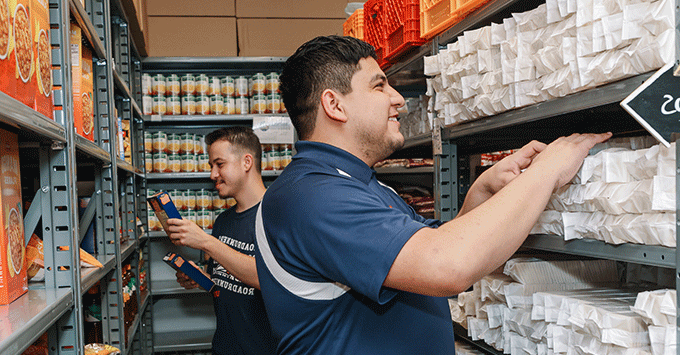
<point>13,280</point>
<point>43,55</point>
<point>24,57</point>
<point>6,50</point>
<point>87,93</point>
<point>81,64</point>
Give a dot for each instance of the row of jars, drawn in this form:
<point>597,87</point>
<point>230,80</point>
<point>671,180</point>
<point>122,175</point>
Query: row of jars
<point>177,143</point>
<point>212,104</point>
<point>201,206</point>
<point>276,156</point>
<point>202,84</point>
<point>204,218</point>
<point>196,199</point>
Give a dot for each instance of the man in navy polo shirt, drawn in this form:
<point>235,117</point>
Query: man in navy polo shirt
<point>345,266</point>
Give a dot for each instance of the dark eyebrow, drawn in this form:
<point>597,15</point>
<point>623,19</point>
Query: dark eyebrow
<point>379,77</point>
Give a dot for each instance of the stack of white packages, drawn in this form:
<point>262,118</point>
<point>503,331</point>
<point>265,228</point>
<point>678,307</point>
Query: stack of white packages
<point>413,117</point>
<point>658,309</point>
<point>620,195</point>
<point>591,321</point>
<point>561,47</point>
<point>498,309</point>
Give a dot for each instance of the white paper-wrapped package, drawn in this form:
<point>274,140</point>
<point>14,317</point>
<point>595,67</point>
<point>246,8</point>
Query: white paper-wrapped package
<point>477,327</point>
<point>471,85</point>
<point>503,99</point>
<point>457,312</point>
<point>557,83</point>
<point>519,320</point>
<point>584,40</point>
<point>604,8</point>
<point>651,52</point>
<point>463,46</point>
<point>510,26</point>
<point>649,229</point>
<point>527,92</point>
<point>534,271</point>
<point>611,323</point>
<point>666,160</point>
<point>664,339</point>
<point>584,12</point>
<point>521,345</point>
<point>524,66</point>
<point>599,41</point>
<point>471,64</point>
<point>431,65</point>
<point>498,34</point>
<point>548,60</point>
<point>495,314</point>
<point>532,19</point>
<point>613,32</point>
<point>584,344</point>
<point>661,17</point>
<point>489,59</point>
<point>656,307</point>
<point>552,11</point>
<point>478,39</point>
<point>622,165</point>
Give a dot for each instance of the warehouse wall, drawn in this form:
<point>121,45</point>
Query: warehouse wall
<point>217,28</point>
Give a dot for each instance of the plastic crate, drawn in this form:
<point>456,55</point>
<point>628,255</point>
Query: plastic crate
<point>354,25</point>
<point>467,6</point>
<point>436,16</point>
<point>402,27</point>
<point>374,29</point>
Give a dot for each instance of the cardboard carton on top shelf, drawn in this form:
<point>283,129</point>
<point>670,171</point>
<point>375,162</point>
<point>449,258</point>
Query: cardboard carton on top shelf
<point>328,9</point>
<point>281,37</point>
<point>24,57</point>
<point>13,280</point>
<point>214,8</point>
<point>43,58</point>
<point>192,37</point>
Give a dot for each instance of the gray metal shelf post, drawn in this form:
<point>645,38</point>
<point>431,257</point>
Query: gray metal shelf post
<point>58,175</point>
<point>446,182</point>
<point>112,297</point>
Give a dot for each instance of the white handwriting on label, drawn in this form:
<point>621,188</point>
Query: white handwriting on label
<point>676,105</point>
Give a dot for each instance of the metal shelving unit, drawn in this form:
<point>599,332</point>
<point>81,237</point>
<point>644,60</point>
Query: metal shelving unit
<point>193,308</point>
<point>54,306</point>
<point>544,121</point>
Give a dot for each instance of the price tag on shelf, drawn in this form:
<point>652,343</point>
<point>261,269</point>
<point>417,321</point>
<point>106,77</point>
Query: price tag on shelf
<point>656,104</point>
<point>274,129</point>
<point>156,118</point>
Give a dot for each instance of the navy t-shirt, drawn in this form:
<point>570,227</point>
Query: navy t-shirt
<point>242,324</point>
<point>328,233</point>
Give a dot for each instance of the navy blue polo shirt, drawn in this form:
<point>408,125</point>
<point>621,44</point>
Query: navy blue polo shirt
<point>328,233</point>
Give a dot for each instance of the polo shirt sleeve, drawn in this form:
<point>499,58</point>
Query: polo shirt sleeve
<point>342,232</point>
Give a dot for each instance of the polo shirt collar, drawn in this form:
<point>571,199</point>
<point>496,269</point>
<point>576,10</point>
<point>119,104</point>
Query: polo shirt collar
<point>335,157</point>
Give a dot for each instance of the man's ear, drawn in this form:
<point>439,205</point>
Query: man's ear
<point>331,104</point>
<point>248,161</point>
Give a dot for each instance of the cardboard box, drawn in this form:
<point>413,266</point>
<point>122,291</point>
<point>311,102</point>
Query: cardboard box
<point>334,9</point>
<point>82,83</point>
<point>179,263</point>
<point>13,280</point>
<point>24,57</point>
<point>192,37</point>
<point>43,58</point>
<point>281,37</point>
<point>163,207</point>
<point>7,83</point>
<point>87,93</point>
<point>213,8</point>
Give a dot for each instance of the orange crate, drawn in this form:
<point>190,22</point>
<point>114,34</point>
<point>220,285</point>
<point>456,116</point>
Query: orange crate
<point>436,16</point>
<point>465,7</point>
<point>402,27</point>
<point>374,29</point>
<point>354,25</point>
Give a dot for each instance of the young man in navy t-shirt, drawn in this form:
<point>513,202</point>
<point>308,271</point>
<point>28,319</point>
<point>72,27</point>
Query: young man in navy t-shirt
<point>345,266</point>
<point>242,324</point>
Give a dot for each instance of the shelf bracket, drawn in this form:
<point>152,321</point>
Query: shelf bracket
<point>34,214</point>
<point>88,215</point>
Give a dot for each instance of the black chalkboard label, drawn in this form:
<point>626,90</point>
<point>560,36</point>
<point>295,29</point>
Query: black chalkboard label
<point>656,104</point>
